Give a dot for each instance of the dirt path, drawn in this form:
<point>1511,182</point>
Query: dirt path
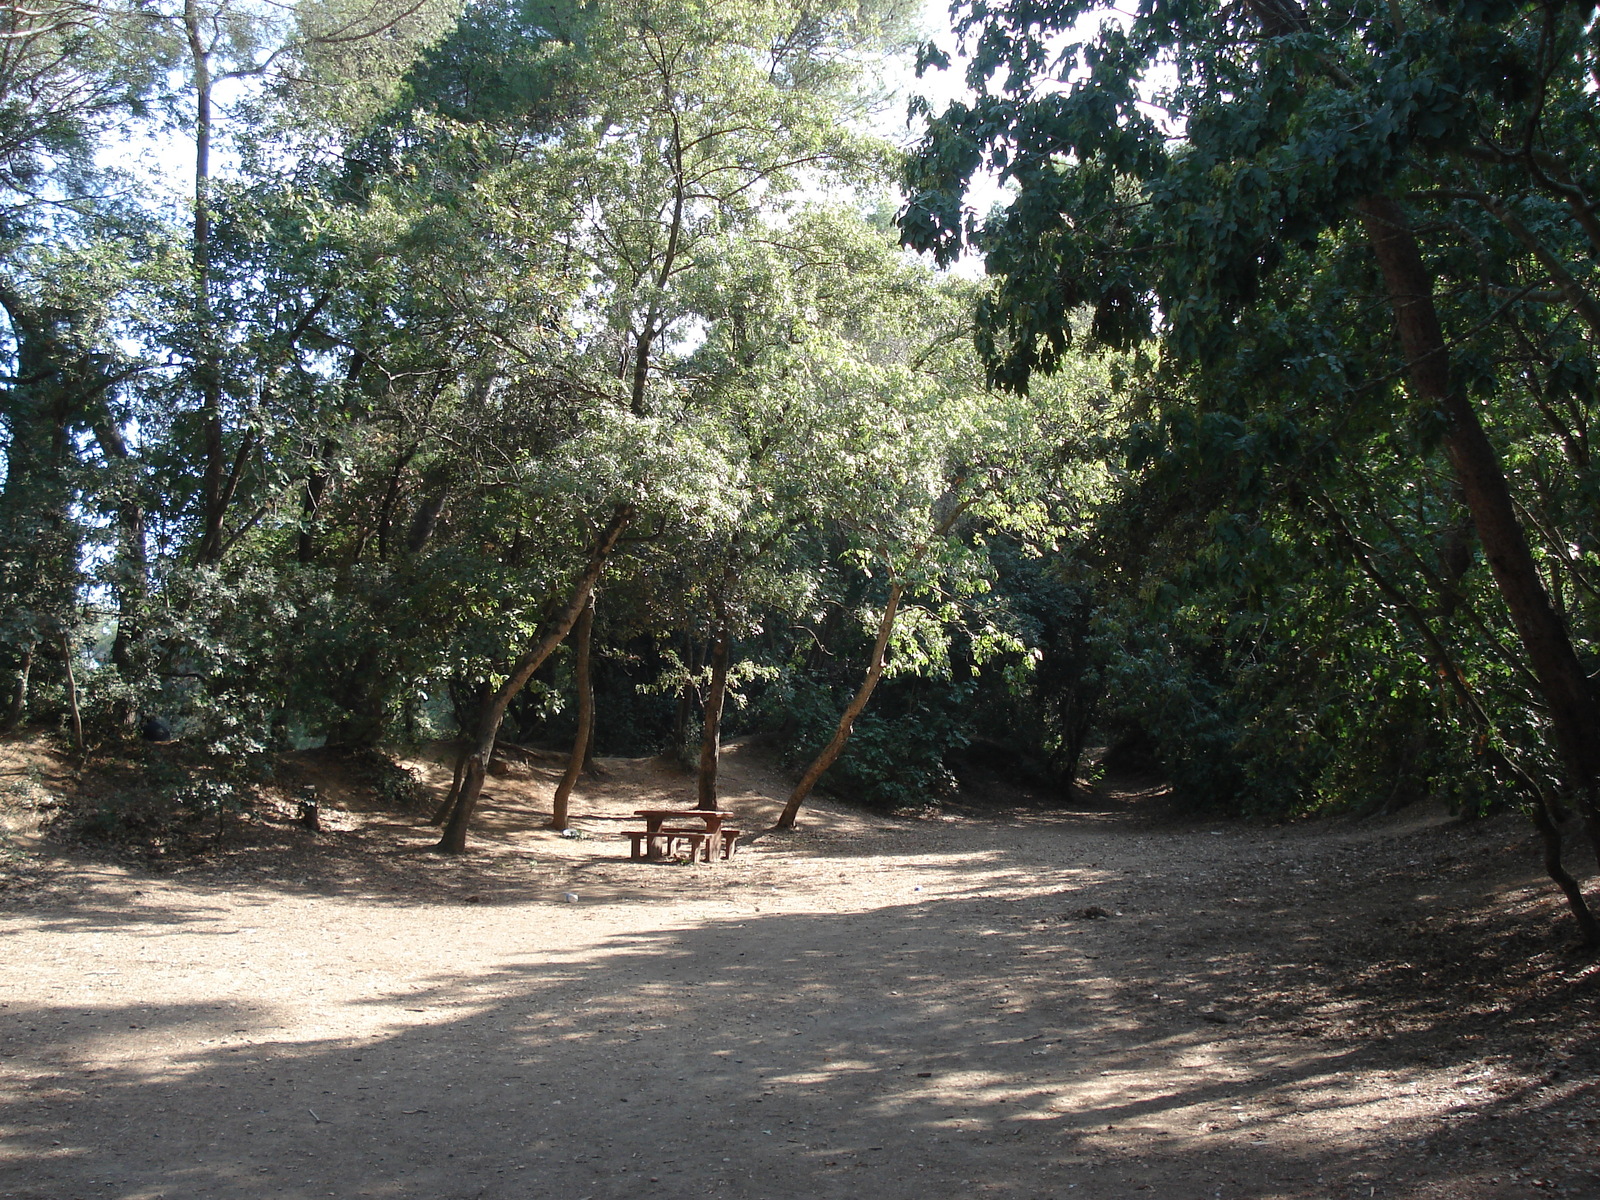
<point>891,1009</point>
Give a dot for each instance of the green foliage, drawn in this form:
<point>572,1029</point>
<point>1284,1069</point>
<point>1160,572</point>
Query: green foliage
<point>329,450</point>
<point>896,755</point>
<point>1290,600</point>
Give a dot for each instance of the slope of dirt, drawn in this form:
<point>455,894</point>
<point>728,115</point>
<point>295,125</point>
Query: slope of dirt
<point>1003,1002</point>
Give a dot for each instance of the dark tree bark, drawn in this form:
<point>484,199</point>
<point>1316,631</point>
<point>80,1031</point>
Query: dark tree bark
<point>686,698</point>
<point>449,801</point>
<point>55,390</point>
<point>207,369</point>
<point>131,583</point>
<point>72,692</point>
<point>391,499</point>
<point>316,487</point>
<point>321,473</point>
<point>582,634</point>
<point>711,731</point>
<point>1550,838</point>
<point>1544,637</point>
<point>591,767</point>
<point>18,708</point>
<point>365,694</point>
<point>1479,724</point>
<point>493,710</point>
<point>652,325</point>
<point>426,518</point>
<point>858,703</point>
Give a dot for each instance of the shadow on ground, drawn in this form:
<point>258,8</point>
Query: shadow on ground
<point>757,1055</point>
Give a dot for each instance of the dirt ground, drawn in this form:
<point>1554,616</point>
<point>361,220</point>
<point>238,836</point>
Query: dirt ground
<point>1005,1000</point>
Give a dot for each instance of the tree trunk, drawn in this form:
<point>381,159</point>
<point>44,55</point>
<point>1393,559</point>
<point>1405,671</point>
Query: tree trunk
<point>1488,497</point>
<point>841,735</point>
<point>686,699</point>
<point>72,692</point>
<point>680,718</point>
<point>41,541</point>
<point>316,486</point>
<point>580,741</point>
<point>1550,836</point>
<point>711,732</point>
<point>493,711</point>
<point>208,375</point>
<point>449,801</point>
<point>591,768</point>
<point>321,473</point>
<point>1480,727</point>
<point>18,707</point>
<point>365,696</point>
<point>131,581</point>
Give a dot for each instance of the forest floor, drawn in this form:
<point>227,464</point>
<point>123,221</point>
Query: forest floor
<point>1002,999</point>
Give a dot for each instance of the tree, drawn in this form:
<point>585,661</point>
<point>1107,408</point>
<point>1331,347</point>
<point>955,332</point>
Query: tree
<point>1299,145</point>
<point>315,57</point>
<point>711,118</point>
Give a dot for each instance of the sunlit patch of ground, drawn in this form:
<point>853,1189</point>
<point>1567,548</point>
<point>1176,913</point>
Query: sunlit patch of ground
<point>871,1007</point>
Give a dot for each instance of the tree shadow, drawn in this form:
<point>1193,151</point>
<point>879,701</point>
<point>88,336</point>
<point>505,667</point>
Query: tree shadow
<point>927,1048</point>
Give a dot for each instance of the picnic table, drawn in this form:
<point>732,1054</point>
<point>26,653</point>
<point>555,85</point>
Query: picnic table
<point>658,839</point>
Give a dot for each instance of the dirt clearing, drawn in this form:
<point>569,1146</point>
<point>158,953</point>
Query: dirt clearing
<point>1018,1003</point>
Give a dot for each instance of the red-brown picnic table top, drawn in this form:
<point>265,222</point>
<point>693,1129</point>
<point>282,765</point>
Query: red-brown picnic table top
<point>654,818</point>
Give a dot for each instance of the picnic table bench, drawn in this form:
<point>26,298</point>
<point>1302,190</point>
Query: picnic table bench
<point>711,838</point>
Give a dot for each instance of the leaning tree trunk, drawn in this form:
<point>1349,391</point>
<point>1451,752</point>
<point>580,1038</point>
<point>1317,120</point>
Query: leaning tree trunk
<point>1550,836</point>
<point>1480,725</point>
<point>841,735</point>
<point>492,712</point>
<point>1544,637</point>
<point>580,743</point>
<point>711,735</point>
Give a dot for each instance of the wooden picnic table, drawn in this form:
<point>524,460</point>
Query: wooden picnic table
<point>657,838</point>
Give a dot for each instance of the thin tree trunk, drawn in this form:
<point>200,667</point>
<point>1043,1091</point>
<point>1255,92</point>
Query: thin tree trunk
<point>321,473</point>
<point>1566,690</point>
<point>1441,661</point>
<point>493,711</point>
<point>711,732</point>
<point>72,692</point>
<point>652,325</point>
<point>580,742</point>
<point>841,735</point>
<point>1571,290</point>
<point>1550,836</point>
<point>19,698</point>
<point>591,767</point>
<point>316,486</point>
<point>131,584</point>
<point>463,749</point>
<point>686,698</point>
<point>207,368</point>
<point>680,719</point>
<point>449,801</point>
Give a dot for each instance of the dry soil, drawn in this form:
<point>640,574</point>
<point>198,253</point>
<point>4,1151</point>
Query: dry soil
<point>1006,1000</point>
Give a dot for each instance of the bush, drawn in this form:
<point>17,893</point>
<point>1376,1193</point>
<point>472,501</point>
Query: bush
<point>896,754</point>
